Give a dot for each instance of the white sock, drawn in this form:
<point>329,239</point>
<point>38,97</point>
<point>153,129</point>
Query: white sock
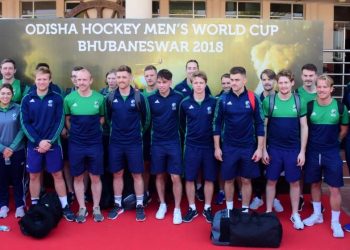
<point>317,207</point>
<point>162,205</point>
<point>139,200</point>
<point>118,200</point>
<point>177,210</point>
<point>193,206</point>
<point>229,205</point>
<point>335,216</point>
<point>206,206</point>
<point>63,200</point>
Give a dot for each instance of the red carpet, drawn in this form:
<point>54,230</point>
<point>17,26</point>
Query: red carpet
<point>126,233</point>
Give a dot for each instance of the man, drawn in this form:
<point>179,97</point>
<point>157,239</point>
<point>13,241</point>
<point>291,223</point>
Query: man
<point>126,116</point>
<point>84,111</point>
<point>238,120</point>
<point>150,75</point>
<point>42,120</point>
<point>8,70</point>
<point>268,80</point>
<point>307,92</point>
<point>166,148</point>
<point>54,87</point>
<point>285,151</point>
<point>327,128</point>
<point>111,82</point>
<point>196,115</point>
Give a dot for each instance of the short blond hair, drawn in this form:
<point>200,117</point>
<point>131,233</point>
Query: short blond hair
<point>327,78</point>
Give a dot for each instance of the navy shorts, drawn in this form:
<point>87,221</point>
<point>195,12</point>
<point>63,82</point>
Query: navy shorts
<point>166,158</point>
<point>121,156</point>
<point>283,160</point>
<point>197,159</point>
<point>52,160</point>
<point>238,161</point>
<point>82,158</point>
<point>329,163</point>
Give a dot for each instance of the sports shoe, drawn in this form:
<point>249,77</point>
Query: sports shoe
<point>67,213</point>
<point>70,197</point>
<point>20,212</point>
<point>256,203</point>
<point>200,193</point>
<point>97,215</point>
<point>277,206</point>
<point>177,218</point>
<point>81,215</point>
<point>313,219</point>
<point>297,223</point>
<point>337,230</point>
<point>140,213</point>
<point>3,211</point>
<point>116,210</point>
<point>191,214</point>
<point>208,215</point>
<point>347,228</point>
<point>301,204</point>
<point>220,197</point>
<point>160,215</point>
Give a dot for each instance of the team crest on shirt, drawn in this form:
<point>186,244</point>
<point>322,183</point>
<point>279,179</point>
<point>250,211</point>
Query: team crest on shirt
<point>49,103</point>
<point>173,106</point>
<point>14,116</point>
<point>96,104</point>
<point>247,104</point>
<point>191,107</point>
<point>209,110</point>
<point>294,108</point>
<point>333,112</point>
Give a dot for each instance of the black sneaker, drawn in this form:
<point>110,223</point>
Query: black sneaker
<point>68,214</point>
<point>116,210</point>
<point>301,204</point>
<point>140,213</point>
<point>200,193</point>
<point>70,197</point>
<point>191,214</point>
<point>208,215</point>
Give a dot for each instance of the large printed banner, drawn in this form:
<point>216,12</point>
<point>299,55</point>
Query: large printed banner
<point>217,44</point>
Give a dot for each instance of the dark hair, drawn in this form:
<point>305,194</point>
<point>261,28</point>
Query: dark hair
<point>287,73</point>
<point>122,68</point>
<point>226,75</point>
<point>7,86</point>
<point>269,72</point>
<point>200,74</point>
<point>310,67</point>
<point>43,70</point>
<point>8,60</point>
<point>150,67</point>
<point>194,61</point>
<point>42,64</point>
<point>238,70</point>
<point>112,71</point>
<point>77,68</point>
<point>164,73</point>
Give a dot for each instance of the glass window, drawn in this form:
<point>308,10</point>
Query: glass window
<point>187,9</point>
<point>242,9</point>
<point>155,8</point>
<point>42,9</point>
<point>341,13</point>
<point>69,5</point>
<point>286,11</point>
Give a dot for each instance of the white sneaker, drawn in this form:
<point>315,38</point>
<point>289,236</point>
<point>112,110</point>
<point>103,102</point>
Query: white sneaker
<point>313,219</point>
<point>337,230</point>
<point>297,223</point>
<point>256,203</point>
<point>19,212</point>
<point>177,219</point>
<point>3,211</point>
<point>160,215</point>
<point>277,206</point>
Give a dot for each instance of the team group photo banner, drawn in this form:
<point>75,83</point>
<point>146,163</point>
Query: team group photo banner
<point>217,44</point>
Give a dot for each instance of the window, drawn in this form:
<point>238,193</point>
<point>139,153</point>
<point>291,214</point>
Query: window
<point>287,11</point>
<point>242,9</point>
<point>35,9</point>
<point>155,9</point>
<point>69,5</point>
<point>0,9</point>
<point>187,9</point>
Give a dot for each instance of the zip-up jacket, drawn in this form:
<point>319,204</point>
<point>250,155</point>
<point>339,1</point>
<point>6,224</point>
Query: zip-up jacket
<point>238,120</point>
<point>196,121</point>
<point>127,122</point>
<point>165,117</point>
<point>186,90</point>
<point>42,118</point>
<point>11,133</point>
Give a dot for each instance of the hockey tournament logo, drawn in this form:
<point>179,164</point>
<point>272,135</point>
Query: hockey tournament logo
<point>96,104</point>
<point>247,105</point>
<point>333,113</point>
